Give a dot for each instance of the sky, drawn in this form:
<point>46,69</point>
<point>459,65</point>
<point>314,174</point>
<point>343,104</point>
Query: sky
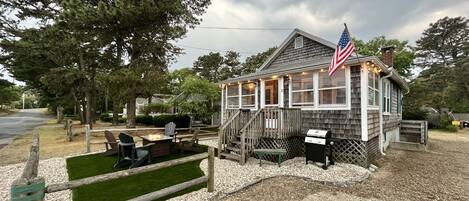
<point>399,19</point>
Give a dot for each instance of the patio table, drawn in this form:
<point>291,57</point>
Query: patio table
<point>161,144</point>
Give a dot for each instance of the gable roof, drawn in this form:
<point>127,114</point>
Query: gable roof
<point>287,41</point>
<point>315,63</point>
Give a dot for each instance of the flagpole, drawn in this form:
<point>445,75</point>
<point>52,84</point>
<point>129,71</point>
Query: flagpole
<point>356,54</point>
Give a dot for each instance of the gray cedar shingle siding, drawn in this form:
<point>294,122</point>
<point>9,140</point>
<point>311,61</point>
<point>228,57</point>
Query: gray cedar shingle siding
<point>310,50</point>
<point>392,121</point>
<point>344,124</point>
<point>373,123</point>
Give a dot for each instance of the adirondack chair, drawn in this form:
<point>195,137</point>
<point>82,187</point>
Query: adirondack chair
<point>129,153</point>
<point>170,130</point>
<point>190,145</point>
<point>111,144</point>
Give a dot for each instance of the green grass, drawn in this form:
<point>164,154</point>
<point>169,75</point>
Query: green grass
<point>131,186</point>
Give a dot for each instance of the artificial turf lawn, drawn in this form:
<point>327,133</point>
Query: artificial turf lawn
<point>131,186</point>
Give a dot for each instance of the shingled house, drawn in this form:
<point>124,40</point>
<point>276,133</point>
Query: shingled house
<point>291,92</point>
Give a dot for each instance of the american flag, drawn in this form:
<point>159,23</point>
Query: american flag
<point>344,49</point>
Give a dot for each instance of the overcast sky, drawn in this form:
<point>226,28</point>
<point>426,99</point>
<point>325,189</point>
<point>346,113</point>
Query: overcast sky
<point>400,19</point>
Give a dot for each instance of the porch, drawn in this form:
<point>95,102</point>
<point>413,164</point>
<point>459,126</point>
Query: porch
<point>244,130</point>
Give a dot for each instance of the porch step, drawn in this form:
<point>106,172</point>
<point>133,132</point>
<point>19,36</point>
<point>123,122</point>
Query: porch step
<point>237,150</point>
<point>231,156</point>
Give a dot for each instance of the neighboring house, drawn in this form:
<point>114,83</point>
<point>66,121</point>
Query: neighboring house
<point>291,92</point>
<point>461,116</point>
<point>142,102</point>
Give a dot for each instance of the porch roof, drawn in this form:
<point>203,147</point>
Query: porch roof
<point>316,64</point>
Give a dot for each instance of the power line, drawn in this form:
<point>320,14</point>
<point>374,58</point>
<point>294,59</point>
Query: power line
<point>215,50</point>
<point>245,28</point>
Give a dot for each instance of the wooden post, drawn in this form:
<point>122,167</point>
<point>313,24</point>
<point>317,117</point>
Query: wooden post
<point>29,186</point>
<point>211,170</point>
<point>87,138</point>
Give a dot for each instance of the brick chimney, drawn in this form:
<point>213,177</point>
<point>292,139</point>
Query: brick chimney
<point>387,55</point>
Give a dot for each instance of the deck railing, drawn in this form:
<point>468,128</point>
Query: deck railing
<point>277,123</point>
<point>231,127</point>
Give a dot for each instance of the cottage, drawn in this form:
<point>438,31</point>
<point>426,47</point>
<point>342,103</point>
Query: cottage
<point>291,92</point>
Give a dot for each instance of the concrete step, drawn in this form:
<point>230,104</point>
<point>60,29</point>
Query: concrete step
<point>231,156</point>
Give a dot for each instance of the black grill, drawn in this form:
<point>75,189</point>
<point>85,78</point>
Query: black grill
<point>318,145</point>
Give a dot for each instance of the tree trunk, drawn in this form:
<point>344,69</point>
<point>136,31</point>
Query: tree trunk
<point>131,107</point>
<point>115,112</point>
<point>88,112</point>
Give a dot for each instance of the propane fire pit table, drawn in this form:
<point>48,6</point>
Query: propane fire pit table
<point>317,144</point>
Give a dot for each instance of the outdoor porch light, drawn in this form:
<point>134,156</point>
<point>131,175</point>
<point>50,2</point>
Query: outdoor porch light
<point>275,77</point>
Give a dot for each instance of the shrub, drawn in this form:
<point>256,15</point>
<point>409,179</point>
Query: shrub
<point>155,108</point>
<point>122,120</point>
<point>417,114</point>
<point>144,119</point>
<point>451,128</point>
<point>105,117</point>
<point>181,121</point>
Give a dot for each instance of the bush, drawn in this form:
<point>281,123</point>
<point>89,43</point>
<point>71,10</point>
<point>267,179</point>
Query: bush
<point>181,121</point>
<point>451,128</point>
<point>105,117</point>
<point>122,120</point>
<point>155,108</point>
<point>144,119</point>
<point>418,114</point>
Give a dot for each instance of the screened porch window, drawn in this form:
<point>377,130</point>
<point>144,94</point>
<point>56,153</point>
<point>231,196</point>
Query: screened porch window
<point>373,89</point>
<point>271,92</point>
<point>302,89</point>
<point>248,96</point>
<point>232,96</point>
<point>332,90</point>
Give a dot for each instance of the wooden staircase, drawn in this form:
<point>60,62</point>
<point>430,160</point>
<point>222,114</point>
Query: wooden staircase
<point>242,131</point>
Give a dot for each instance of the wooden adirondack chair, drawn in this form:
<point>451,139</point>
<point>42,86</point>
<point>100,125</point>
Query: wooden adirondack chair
<point>170,130</point>
<point>111,144</point>
<point>190,145</point>
<point>129,153</point>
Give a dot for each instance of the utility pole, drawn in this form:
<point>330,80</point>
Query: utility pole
<point>23,100</point>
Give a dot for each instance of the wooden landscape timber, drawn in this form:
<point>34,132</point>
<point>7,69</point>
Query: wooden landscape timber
<point>29,186</point>
<point>125,173</point>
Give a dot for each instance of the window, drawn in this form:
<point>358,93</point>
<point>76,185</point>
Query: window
<point>232,96</point>
<point>373,89</point>
<point>399,101</point>
<point>302,89</point>
<point>271,92</point>
<point>299,42</point>
<point>332,90</point>
<point>386,96</point>
<point>248,95</point>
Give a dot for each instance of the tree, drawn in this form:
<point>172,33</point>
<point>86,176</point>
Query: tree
<point>404,53</point>
<point>198,97</point>
<point>215,67</point>
<point>443,42</point>
<point>253,62</point>
<point>177,78</point>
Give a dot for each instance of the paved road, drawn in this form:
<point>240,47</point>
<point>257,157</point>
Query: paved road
<point>19,123</point>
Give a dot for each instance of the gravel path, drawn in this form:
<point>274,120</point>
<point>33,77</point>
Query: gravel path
<point>231,177</point>
<point>441,173</point>
<point>53,170</point>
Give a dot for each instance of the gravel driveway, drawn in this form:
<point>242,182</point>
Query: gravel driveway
<point>442,173</point>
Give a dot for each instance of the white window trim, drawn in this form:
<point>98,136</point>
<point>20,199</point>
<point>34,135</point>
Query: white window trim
<point>316,106</point>
<point>386,96</point>
<point>279,96</point>
<point>251,107</point>
<point>291,91</point>
<point>301,44</point>
<point>226,97</point>
<point>373,107</point>
<point>240,96</point>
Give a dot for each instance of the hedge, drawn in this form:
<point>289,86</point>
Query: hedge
<point>181,121</point>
